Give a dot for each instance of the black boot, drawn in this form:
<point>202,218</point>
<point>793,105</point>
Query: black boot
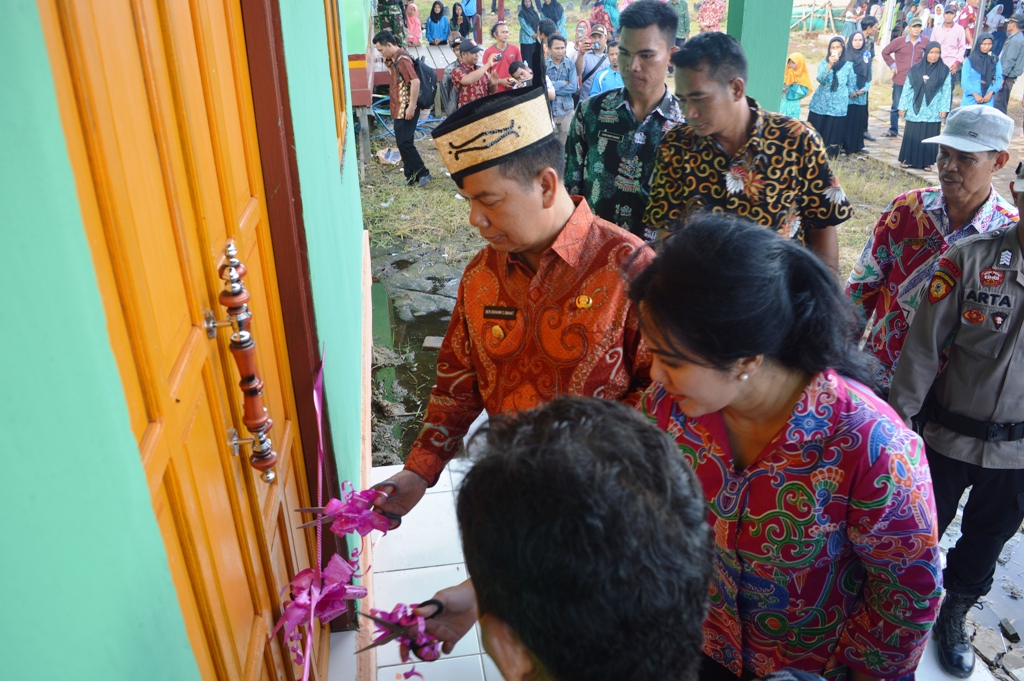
<point>956,654</point>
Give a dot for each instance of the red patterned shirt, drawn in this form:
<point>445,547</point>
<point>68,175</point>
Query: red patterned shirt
<point>517,339</point>
<point>826,546</point>
<point>473,91</point>
<point>403,73</point>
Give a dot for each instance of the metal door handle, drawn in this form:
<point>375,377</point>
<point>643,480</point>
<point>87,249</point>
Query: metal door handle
<point>257,421</point>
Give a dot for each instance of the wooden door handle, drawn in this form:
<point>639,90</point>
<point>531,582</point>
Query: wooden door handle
<point>255,418</point>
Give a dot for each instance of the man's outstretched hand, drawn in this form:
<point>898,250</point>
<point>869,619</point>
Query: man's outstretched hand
<point>456,619</point>
<point>404,490</point>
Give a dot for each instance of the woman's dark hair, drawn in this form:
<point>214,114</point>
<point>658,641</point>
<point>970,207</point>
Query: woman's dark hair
<point>458,6</point>
<point>724,288</point>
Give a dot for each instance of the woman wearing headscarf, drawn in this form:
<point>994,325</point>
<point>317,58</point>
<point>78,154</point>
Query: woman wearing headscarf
<point>459,21</point>
<point>819,497</point>
<point>797,85</point>
<point>982,74</point>
<point>413,25</point>
<point>831,100</point>
<point>552,9</point>
<point>851,18</point>
<point>529,21</point>
<point>857,113</point>
<point>924,104</point>
<point>438,28</point>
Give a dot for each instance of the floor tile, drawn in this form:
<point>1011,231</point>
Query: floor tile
<point>342,665</point>
<point>446,669</point>
<point>416,586</point>
<point>428,536</point>
<point>491,672</point>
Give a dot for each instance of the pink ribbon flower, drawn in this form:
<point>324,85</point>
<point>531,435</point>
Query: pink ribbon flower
<point>356,512</point>
<point>321,595</point>
<point>426,647</point>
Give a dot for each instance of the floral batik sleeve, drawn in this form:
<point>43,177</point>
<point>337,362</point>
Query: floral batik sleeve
<point>892,526</point>
<point>871,269</point>
<point>824,201</point>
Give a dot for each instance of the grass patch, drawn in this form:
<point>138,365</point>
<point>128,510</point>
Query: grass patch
<point>870,186</point>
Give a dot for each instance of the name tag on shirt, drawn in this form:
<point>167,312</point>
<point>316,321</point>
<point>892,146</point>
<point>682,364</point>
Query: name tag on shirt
<point>494,312</point>
<point>610,136</point>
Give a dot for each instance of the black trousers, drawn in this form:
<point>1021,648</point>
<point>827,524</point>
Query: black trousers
<point>404,134</point>
<point>993,514</point>
<point>1003,96</point>
<point>894,111</point>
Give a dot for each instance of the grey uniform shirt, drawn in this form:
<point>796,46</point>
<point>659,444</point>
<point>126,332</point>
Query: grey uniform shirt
<point>974,307</point>
<point>1012,56</point>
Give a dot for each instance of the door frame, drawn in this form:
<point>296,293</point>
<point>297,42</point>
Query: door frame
<point>267,74</point>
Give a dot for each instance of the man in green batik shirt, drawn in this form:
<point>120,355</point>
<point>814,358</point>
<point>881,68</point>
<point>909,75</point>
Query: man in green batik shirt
<point>613,137</point>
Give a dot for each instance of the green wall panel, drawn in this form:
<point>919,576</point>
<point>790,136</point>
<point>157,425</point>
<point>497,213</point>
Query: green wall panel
<point>333,218</point>
<point>356,16</point>
<point>87,590</point>
<point>763,28</point>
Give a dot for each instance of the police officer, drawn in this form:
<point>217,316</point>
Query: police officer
<point>974,411</point>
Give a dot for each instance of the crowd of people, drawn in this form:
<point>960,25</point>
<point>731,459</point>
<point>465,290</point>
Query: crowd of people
<point>693,470</point>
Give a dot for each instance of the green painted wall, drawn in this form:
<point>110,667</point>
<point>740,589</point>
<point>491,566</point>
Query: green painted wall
<point>356,16</point>
<point>333,217</point>
<point>763,28</point>
<point>87,591</point>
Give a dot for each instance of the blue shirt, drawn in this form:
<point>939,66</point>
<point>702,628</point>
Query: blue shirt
<point>563,77</point>
<point>970,80</point>
<point>825,101</point>
<point>469,8</point>
<point>438,30</point>
<point>930,111</point>
<point>606,80</point>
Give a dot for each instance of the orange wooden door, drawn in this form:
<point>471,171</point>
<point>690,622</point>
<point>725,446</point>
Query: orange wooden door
<point>157,109</point>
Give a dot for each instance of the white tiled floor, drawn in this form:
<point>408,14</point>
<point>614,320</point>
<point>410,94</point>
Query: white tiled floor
<point>416,561</point>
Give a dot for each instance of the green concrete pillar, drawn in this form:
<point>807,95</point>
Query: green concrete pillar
<point>762,26</point>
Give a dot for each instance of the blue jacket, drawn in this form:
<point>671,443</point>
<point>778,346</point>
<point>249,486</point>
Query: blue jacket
<point>970,80</point>
<point>438,30</point>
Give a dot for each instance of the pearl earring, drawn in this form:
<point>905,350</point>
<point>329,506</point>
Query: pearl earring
<point>744,376</point>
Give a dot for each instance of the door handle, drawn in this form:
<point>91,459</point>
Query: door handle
<point>235,297</point>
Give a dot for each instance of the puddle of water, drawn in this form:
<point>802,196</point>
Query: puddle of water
<point>417,376</point>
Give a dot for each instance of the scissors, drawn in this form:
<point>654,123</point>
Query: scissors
<point>395,631</point>
<point>395,519</point>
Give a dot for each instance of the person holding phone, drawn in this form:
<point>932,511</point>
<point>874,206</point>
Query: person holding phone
<point>592,59</point>
<point>507,53</point>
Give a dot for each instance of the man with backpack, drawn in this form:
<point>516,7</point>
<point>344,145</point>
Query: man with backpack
<point>405,104</point>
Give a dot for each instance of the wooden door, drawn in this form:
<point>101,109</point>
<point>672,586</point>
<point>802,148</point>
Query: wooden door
<point>157,109</point>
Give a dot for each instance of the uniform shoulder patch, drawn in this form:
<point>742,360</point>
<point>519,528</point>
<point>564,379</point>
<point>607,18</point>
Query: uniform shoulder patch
<point>940,287</point>
<point>1005,258</point>
<point>950,266</point>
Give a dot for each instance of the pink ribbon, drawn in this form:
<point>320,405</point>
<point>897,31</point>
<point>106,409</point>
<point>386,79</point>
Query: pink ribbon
<point>356,513</point>
<point>427,647</point>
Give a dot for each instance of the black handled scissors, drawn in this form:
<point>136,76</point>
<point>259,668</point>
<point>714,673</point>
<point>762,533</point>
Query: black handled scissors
<point>396,631</point>
<point>395,519</point>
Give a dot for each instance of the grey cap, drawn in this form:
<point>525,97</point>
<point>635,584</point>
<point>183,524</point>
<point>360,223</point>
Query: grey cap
<point>975,128</point>
<point>1017,19</point>
<point>916,21</point>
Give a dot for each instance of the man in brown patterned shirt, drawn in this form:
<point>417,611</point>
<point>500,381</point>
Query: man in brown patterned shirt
<point>732,157</point>
<point>543,310</point>
<point>405,90</point>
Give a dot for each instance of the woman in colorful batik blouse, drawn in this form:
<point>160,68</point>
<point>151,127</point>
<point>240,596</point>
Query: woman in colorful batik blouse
<point>830,102</point>
<point>819,497</point>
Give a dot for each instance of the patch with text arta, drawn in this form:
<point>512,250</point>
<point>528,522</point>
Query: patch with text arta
<point>494,312</point>
<point>991,277</point>
<point>990,299</point>
<point>998,319</point>
<point>973,316</point>
<point>953,268</point>
<point>1005,258</point>
<point>940,287</point>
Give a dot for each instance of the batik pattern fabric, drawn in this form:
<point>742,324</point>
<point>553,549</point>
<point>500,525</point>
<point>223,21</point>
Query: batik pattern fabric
<point>518,339</point>
<point>829,102</point>
<point>930,112</point>
<point>780,179</point>
<point>473,91</point>
<point>826,545</point>
<point>892,273</point>
<point>610,155</point>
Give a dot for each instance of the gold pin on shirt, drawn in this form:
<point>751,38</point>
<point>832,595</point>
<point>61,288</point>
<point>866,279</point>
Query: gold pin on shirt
<point>584,302</point>
<point>497,332</point>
